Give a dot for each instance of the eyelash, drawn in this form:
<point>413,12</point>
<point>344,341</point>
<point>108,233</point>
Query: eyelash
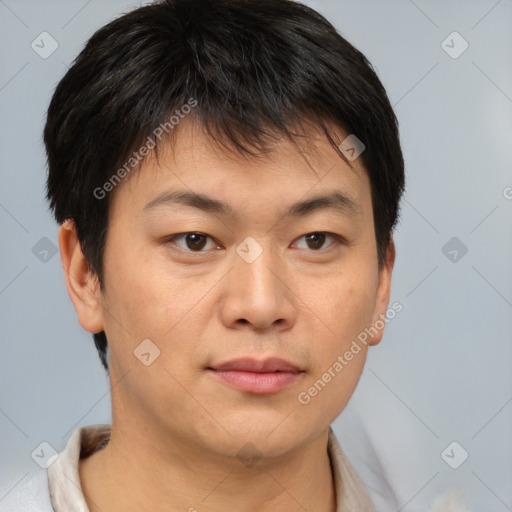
<point>338,240</point>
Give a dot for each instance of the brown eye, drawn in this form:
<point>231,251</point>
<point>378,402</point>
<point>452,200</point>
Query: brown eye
<point>314,241</point>
<point>193,242</point>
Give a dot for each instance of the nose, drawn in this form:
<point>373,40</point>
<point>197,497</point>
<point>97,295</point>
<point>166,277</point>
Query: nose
<point>257,295</point>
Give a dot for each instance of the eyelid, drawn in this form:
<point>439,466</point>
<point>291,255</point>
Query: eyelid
<point>178,235</point>
<point>338,240</point>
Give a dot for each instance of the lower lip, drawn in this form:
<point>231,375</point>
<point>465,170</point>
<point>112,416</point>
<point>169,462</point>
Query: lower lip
<point>254,382</point>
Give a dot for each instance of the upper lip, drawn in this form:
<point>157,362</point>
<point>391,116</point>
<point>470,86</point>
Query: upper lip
<point>272,364</point>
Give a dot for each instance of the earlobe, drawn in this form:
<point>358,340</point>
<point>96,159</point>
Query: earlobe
<point>82,285</point>
<point>383,295</point>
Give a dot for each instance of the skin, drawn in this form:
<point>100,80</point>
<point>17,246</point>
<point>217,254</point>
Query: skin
<point>177,429</point>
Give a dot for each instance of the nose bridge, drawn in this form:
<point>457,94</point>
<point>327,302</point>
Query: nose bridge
<point>256,293</point>
<point>256,266</point>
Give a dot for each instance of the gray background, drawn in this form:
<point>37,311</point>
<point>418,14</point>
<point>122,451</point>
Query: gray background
<point>443,371</point>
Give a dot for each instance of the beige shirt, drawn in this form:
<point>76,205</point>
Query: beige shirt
<point>66,491</point>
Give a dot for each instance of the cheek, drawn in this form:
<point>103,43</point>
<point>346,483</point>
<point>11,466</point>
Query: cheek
<point>137,290</point>
<point>145,300</point>
<point>345,307</point>
<point>341,305</point>
<point>352,310</point>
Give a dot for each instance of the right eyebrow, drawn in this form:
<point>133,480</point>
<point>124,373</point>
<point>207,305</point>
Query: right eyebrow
<point>192,199</point>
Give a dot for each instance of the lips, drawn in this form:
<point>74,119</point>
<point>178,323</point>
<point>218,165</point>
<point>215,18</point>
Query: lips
<point>258,377</point>
<point>272,364</point>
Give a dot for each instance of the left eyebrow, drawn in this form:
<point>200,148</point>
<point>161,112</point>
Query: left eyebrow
<point>336,200</point>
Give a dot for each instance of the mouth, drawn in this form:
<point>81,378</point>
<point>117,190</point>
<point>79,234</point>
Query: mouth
<point>259,377</point>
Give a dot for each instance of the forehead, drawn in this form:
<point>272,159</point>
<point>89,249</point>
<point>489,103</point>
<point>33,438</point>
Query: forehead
<point>192,163</point>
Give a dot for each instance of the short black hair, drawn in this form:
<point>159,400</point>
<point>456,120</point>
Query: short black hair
<point>250,67</point>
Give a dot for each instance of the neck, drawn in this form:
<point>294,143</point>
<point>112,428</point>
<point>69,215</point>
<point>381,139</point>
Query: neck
<point>146,471</point>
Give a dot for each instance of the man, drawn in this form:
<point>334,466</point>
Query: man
<point>227,175</point>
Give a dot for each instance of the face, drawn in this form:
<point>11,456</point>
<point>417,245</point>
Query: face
<point>215,257</point>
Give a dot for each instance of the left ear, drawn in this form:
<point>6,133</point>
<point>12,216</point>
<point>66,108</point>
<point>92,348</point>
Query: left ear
<point>383,294</point>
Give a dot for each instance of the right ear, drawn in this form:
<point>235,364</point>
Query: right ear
<point>82,284</point>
